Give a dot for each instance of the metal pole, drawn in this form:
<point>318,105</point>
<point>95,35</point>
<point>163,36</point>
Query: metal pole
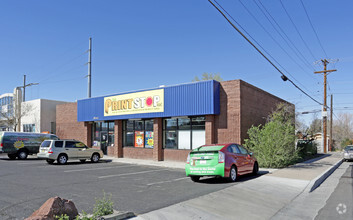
<point>325,109</point>
<point>24,88</point>
<point>89,67</point>
<point>331,119</point>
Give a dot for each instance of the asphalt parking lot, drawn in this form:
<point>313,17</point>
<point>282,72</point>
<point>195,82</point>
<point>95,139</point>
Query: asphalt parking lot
<point>26,184</point>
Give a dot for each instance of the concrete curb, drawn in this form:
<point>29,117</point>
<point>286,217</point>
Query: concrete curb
<point>322,177</point>
<point>118,215</point>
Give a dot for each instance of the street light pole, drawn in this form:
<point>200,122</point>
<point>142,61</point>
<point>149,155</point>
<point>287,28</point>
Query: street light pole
<point>24,87</point>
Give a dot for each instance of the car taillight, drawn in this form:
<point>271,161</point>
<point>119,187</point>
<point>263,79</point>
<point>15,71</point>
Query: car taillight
<point>188,159</point>
<point>221,157</point>
<point>50,151</point>
<point>2,144</point>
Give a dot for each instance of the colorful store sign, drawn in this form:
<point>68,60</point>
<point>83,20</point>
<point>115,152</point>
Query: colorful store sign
<point>139,139</point>
<point>149,139</point>
<point>135,103</point>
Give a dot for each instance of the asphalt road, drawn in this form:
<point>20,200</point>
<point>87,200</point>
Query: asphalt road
<point>26,184</point>
<point>340,203</point>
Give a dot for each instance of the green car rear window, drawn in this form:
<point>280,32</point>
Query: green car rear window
<point>209,148</point>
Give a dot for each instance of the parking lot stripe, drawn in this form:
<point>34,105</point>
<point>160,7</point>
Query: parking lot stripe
<point>168,181</point>
<point>30,162</point>
<point>127,174</point>
<point>99,168</point>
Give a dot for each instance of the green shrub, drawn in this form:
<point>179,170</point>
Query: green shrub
<point>62,217</point>
<point>306,148</point>
<point>274,143</point>
<point>103,206</point>
<point>84,216</point>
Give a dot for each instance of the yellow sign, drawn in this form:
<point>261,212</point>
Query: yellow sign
<point>135,103</point>
<point>18,144</point>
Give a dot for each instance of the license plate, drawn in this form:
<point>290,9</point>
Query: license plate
<point>202,161</point>
<point>42,151</point>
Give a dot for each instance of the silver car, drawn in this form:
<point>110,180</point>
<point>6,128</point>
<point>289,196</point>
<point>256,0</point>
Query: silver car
<point>64,150</point>
<point>348,153</point>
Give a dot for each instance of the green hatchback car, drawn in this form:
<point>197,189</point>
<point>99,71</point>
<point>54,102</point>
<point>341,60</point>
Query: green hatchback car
<point>221,160</point>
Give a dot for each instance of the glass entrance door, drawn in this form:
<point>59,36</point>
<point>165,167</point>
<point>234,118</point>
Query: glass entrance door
<point>104,142</point>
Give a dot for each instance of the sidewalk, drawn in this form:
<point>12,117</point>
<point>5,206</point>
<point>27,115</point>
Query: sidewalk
<point>280,194</point>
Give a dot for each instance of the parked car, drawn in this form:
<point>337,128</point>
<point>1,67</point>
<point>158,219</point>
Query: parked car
<point>222,160</point>
<point>64,150</point>
<point>21,144</point>
<point>348,153</point>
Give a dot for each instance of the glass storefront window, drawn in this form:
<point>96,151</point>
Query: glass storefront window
<point>184,124</point>
<point>111,133</point>
<point>139,125</point>
<point>129,125</point>
<point>170,139</point>
<point>103,135</point>
<point>129,138</point>
<point>149,125</point>
<point>184,133</point>
<point>138,133</point>
<point>170,123</point>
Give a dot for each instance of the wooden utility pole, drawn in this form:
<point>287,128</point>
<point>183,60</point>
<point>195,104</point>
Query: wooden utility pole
<point>331,119</point>
<point>324,111</point>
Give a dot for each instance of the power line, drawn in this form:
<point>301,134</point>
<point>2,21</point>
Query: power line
<point>301,37</point>
<point>312,26</point>
<point>286,39</point>
<point>52,73</point>
<point>284,77</point>
<point>278,44</point>
<point>260,45</point>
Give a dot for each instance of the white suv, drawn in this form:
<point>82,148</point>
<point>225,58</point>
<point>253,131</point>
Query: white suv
<point>63,150</point>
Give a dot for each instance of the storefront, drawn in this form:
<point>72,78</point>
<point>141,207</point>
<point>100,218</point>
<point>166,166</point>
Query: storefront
<point>167,122</point>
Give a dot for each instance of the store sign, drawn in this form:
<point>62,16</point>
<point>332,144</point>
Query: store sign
<point>135,103</point>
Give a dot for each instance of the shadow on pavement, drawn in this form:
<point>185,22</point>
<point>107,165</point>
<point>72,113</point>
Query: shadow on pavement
<point>220,180</point>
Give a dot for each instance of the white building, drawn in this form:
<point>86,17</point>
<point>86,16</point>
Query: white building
<point>39,115</point>
<point>6,111</point>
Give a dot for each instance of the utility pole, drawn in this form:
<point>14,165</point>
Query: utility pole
<point>24,87</point>
<point>89,67</point>
<point>324,111</point>
<point>331,120</point>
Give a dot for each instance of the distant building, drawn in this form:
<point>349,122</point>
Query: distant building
<point>39,115</point>
<point>6,111</point>
<point>320,142</point>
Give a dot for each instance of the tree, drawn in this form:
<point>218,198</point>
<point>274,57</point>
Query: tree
<point>208,76</point>
<point>12,119</point>
<point>342,129</point>
<point>315,126</point>
<point>274,142</point>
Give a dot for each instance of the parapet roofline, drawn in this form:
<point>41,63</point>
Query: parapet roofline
<point>142,90</point>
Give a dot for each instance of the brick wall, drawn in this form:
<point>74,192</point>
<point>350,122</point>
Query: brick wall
<point>227,123</point>
<point>176,155</point>
<point>256,106</point>
<point>138,153</point>
<point>67,126</point>
<point>241,106</point>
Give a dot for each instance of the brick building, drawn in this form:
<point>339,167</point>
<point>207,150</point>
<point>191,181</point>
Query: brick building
<point>166,123</point>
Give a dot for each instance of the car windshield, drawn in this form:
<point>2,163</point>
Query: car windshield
<point>45,144</point>
<point>348,148</point>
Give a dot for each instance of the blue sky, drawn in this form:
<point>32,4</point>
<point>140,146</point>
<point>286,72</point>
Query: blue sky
<point>140,44</point>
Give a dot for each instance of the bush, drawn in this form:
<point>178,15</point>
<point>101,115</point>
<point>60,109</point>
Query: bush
<point>103,206</point>
<point>62,217</point>
<point>306,148</point>
<point>274,143</point>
